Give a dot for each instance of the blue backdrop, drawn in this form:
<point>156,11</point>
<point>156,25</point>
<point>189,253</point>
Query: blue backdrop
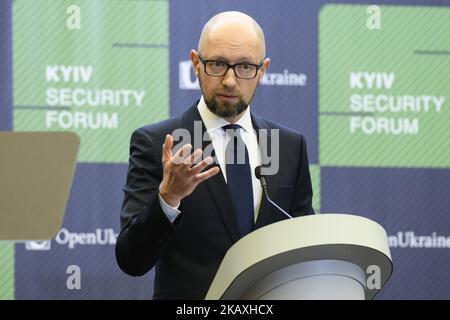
<point>402,200</point>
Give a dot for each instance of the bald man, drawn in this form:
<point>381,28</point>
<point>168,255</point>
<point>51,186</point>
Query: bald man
<point>185,205</point>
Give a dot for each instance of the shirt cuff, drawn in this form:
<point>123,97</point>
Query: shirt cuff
<point>170,212</point>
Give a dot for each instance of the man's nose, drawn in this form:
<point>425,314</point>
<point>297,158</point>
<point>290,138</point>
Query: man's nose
<point>229,78</point>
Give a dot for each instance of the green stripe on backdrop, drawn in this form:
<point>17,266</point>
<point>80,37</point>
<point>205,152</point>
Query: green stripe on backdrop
<point>6,270</point>
<point>315,181</point>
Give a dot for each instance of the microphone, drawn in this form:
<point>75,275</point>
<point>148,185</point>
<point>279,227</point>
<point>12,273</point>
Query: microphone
<point>262,179</point>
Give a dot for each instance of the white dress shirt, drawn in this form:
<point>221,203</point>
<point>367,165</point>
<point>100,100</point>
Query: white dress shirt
<point>219,139</point>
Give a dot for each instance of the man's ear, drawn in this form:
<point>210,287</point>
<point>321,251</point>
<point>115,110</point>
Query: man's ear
<point>264,67</point>
<point>195,61</point>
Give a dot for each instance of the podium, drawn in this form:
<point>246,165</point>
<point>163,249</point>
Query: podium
<point>322,256</point>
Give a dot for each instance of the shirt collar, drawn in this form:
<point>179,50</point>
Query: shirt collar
<point>213,122</point>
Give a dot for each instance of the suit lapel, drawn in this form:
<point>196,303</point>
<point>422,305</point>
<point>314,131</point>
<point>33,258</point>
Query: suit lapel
<point>216,184</point>
<point>264,134</point>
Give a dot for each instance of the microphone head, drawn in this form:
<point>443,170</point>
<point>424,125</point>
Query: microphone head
<point>258,172</point>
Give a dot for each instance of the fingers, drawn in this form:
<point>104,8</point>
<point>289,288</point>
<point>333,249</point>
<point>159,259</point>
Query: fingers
<point>193,157</point>
<point>184,156</point>
<point>202,165</point>
<point>207,174</point>
<point>167,148</point>
<point>181,154</point>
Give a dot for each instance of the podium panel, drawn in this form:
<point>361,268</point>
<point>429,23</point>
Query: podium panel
<point>312,280</point>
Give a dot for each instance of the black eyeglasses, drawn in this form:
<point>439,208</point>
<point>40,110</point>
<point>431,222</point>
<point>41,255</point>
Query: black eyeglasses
<point>217,68</point>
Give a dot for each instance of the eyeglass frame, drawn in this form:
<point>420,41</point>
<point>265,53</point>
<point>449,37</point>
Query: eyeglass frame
<point>230,66</point>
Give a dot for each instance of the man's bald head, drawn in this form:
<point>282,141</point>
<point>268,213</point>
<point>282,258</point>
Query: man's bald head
<point>232,22</point>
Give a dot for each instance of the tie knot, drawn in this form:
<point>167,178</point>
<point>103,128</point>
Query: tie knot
<point>231,126</point>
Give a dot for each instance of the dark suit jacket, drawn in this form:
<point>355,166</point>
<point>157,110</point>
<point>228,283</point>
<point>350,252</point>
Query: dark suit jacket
<point>187,253</point>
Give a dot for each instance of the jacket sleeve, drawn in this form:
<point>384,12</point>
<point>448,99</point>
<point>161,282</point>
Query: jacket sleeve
<point>302,204</point>
<point>145,229</point>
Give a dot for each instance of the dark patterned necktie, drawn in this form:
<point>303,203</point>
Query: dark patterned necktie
<point>239,178</point>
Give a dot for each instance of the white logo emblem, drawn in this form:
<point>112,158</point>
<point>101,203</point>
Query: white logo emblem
<point>38,245</point>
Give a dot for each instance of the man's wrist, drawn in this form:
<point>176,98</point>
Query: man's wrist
<point>169,198</point>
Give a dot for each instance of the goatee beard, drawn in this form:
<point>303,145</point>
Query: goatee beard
<point>226,110</point>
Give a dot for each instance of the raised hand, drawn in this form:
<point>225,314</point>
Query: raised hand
<point>180,175</point>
